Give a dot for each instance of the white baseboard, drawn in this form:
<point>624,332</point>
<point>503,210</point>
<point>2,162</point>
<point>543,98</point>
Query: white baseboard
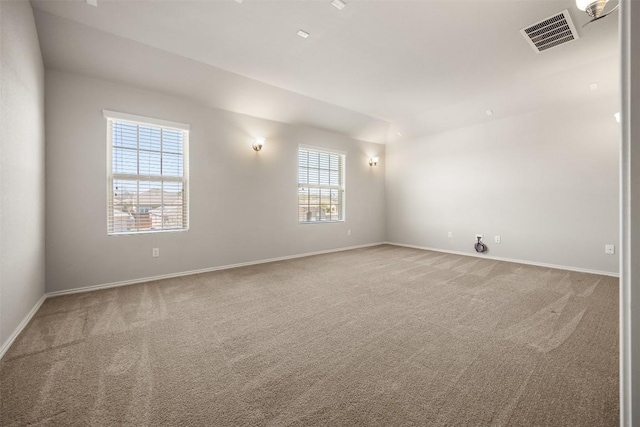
<point>204,270</point>
<point>29,316</point>
<point>518,261</point>
<point>21,326</point>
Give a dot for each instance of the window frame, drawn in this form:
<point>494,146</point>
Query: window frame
<point>114,116</point>
<point>342,188</point>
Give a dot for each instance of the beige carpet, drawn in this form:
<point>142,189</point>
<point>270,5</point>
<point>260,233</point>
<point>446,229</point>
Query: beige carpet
<point>383,336</point>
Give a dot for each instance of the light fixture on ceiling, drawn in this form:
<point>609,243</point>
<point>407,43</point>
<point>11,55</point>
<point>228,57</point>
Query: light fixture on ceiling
<point>399,133</point>
<point>258,142</point>
<point>338,4</point>
<point>93,3</point>
<point>489,113</point>
<point>595,8</point>
<point>373,161</point>
<point>303,34</point>
<point>593,86</point>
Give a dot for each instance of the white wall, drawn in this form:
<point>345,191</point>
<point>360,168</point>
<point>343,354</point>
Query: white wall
<point>546,182</point>
<point>243,204</point>
<point>22,198</point>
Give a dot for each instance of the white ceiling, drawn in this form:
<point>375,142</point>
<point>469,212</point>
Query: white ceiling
<point>371,69</point>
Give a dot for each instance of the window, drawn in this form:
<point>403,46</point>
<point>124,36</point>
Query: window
<point>148,174</point>
<point>320,185</point>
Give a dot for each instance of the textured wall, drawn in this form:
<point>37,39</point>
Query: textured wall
<point>243,204</point>
<point>546,182</point>
<point>22,197</point>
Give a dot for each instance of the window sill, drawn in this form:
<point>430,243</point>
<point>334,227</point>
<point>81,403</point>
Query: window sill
<point>320,222</point>
<point>135,233</point>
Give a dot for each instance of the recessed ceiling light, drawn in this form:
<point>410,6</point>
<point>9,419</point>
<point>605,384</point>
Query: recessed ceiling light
<point>489,113</point>
<point>93,3</point>
<point>303,34</point>
<point>338,4</point>
<point>399,133</point>
<point>593,86</point>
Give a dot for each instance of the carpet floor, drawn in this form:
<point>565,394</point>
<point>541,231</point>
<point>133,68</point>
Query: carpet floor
<point>381,336</point>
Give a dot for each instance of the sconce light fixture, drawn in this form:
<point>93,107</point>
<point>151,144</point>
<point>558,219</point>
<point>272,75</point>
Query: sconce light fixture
<point>595,8</point>
<point>373,161</point>
<point>258,143</point>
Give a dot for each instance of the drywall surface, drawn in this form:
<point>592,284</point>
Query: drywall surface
<point>22,197</point>
<point>243,203</point>
<point>546,183</point>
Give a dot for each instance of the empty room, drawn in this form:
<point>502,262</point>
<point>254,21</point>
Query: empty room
<point>319,212</point>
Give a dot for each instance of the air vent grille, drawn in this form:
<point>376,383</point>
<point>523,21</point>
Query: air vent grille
<point>550,32</point>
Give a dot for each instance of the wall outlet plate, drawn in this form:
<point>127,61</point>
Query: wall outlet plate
<point>155,252</point>
<point>497,239</point>
<point>450,234</point>
<point>610,249</point>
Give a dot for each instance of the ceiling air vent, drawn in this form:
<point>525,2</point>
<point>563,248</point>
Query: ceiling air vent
<point>550,32</point>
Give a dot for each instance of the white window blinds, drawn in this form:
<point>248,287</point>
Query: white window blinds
<point>321,191</point>
<point>147,175</point>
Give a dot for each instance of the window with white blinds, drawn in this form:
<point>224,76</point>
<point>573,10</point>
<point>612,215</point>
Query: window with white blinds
<point>321,190</point>
<point>147,174</point>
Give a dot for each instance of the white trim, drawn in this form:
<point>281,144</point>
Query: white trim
<point>115,115</point>
<point>341,188</point>
<point>333,221</point>
<point>324,150</point>
<point>29,316</point>
<point>21,326</point>
<point>284,258</point>
<point>114,118</point>
<point>517,261</point>
<point>5,347</point>
<point>627,364</point>
<point>136,177</point>
<point>135,233</point>
<point>204,270</point>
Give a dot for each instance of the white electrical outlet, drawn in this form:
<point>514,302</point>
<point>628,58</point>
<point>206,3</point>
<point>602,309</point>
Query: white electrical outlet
<point>349,232</point>
<point>450,234</point>
<point>610,249</point>
<point>497,239</point>
<point>480,236</point>
<point>155,252</point>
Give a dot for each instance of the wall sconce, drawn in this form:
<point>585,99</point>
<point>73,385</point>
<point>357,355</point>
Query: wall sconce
<point>258,143</point>
<point>373,161</point>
